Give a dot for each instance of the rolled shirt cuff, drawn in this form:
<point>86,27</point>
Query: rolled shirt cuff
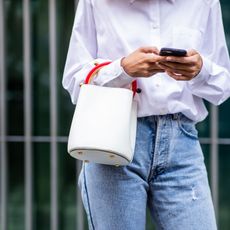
<point>113,75</point>
<point>203,75</point>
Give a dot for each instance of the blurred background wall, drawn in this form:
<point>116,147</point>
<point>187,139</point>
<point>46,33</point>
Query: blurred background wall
<point>38,178</point>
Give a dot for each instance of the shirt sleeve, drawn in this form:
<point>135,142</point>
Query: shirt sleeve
<point>82,55</point>
<point>213,82</point>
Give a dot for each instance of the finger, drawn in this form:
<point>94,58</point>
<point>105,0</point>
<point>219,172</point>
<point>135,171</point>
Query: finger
<point>178,77</point>
<point>156,67</point>
<point>154,71</point>
<point>149,49</point>
<point>191,52</point>
<point>178,66</point>
<point>150,67</point>
<point>183,60</point>
<point>188,72</point>
<point>154,58</point>
<point>157,71</point>
<point>150,73</point>
<point>181,72</point>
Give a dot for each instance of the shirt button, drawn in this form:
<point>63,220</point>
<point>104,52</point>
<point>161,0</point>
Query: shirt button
<point>155,25</point>
<point>157,85</point>
<point>138,90</point>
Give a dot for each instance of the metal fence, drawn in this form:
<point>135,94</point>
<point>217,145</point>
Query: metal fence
<point>54,139</point>
<point>28,139</point>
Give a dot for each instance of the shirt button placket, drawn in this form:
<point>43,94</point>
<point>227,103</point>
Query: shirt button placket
<point>155,23</point>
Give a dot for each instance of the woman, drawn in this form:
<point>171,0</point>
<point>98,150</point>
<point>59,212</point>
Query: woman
<point>167,173</point>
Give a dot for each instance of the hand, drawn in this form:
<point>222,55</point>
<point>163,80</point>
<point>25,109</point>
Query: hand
<point>143,62</point>
<point>183,68</point>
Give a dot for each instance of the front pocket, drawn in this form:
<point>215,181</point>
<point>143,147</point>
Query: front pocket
<point>186,38</point>
<point>188,128</point>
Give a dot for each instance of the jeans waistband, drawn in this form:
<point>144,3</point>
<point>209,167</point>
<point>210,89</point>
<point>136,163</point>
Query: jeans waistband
<point>175,116</point>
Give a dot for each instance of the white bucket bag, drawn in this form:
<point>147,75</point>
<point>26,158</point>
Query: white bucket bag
<point>103,128</point>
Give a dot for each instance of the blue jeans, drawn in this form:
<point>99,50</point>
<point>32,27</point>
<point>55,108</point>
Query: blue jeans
<point>167,174</point>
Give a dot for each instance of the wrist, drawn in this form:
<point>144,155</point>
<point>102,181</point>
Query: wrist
<point>200,66</point>
<point>124,67</point>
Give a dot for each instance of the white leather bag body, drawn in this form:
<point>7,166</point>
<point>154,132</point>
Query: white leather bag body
<point>103,128</point>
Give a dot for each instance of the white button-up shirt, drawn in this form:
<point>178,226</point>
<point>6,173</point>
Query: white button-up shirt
<point>109,30</point>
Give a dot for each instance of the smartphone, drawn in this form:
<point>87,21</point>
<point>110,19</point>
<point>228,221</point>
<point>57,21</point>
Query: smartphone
<point>173,52</point>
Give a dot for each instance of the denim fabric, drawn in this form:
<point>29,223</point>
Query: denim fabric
<point>167,174</point>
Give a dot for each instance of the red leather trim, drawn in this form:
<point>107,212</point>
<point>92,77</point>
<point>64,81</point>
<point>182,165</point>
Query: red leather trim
<point>98,66</point>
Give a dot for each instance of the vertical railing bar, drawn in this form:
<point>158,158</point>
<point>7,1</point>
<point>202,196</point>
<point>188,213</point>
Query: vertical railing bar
<point>53,114</point>
<point>75,4</point>
<point>3,122</point>
<point>214,158</point>
<point>27,115</point>
<point>80,213</point>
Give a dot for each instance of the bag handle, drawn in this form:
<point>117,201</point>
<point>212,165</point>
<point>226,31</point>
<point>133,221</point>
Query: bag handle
<point>97,68</point>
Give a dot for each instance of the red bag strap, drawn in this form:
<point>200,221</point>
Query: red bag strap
<point>97,68</point>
